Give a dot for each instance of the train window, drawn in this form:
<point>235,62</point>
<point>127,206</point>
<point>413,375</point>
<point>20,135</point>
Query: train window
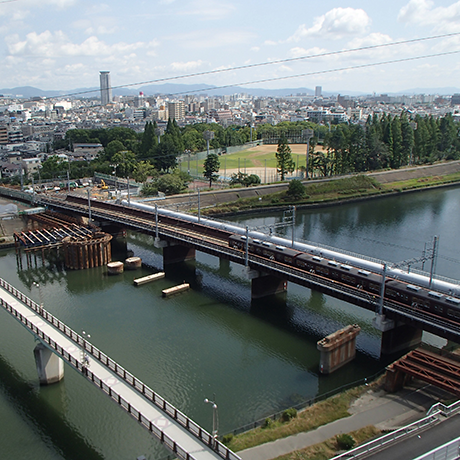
<point>280,248</point>
<point>323,270</point>
<point>364,272</point>
<point>266,244</point>
<point>256,241</point>
<point>346,267</point>
<point>453,313</point>
<point>374,287</point>
<point>317,259</point>
<point>348,278</point>
<point>411,287</point>
<point>420,302</point>
<point>334,264</point>
<point>436,295</point>
<point>391,292</point>
<point>243,237</point>
<point>452,300</point>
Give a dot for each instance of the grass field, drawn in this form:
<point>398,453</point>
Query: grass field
<point>258,158</point>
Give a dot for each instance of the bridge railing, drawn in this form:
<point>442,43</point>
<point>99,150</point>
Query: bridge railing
<point>129,378</point>
<point>384,441</point>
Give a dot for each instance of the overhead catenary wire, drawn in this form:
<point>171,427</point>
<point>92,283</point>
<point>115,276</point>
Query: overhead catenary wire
<point>283,61</point>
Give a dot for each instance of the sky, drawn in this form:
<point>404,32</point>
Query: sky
<point>63,44</point>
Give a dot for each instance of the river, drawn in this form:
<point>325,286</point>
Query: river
<point>255,359</point>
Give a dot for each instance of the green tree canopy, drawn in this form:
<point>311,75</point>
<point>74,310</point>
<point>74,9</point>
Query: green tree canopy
<point>211,168</point>
<point>285,163</point>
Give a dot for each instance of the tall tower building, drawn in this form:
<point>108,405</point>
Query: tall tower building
<point>318,91</point>
<point>106,87</point>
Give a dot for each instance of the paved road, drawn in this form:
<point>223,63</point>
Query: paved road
<point>386,411</point>
<point>424,442</point>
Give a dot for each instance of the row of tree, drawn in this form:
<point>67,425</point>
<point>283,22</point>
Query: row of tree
<point>384,141</point>
<point>387,141</point>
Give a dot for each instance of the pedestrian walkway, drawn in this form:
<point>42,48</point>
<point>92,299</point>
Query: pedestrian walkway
<point>378,408</point>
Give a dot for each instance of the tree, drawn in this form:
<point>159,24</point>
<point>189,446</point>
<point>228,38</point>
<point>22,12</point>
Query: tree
<point>112,149</point>
<point>296,189</point>
<point>285,163</point>
<point>142,170</point>
<point>149,140</point>
<point>211,167</point>
<point>126,163</point>
<point>166,153</point>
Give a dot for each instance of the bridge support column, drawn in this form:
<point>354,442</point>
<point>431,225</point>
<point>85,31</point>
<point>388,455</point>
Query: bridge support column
<point>402,337</point>
<point>338,349</point>
<point>50,367</point>
<point>177,253</point>
<point>394,380</point>
<point>263,285</point>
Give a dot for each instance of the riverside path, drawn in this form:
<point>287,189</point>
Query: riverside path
<point>176,431</point>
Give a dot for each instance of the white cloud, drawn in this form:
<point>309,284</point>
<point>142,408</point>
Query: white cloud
<point>336,23</point>
<point>421,12</point>
<point>299,52</point>
<point>209,9</point>
<point>186,66</point>
<point>211,38</point>
<point>57,44</point>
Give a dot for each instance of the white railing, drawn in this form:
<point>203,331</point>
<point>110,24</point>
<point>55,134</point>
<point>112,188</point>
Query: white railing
<point>113,366</point>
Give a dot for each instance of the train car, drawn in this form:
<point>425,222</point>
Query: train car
<point>423,299</point>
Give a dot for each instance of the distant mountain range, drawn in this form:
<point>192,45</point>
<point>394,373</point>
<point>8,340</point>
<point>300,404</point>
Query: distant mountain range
<point>178,89</point>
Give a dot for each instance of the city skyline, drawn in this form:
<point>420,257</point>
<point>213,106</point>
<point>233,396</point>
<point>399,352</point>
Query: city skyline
<point>62,44</point>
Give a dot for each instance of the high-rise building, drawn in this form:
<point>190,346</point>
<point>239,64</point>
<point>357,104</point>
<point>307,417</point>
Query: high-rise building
<point>106,87</point>
<point>176,110</point>
<point>318,91</point>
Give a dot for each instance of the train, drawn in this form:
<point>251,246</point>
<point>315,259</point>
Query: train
<point>374,267</point>
<point>414,296</point>
<point>439,297</point>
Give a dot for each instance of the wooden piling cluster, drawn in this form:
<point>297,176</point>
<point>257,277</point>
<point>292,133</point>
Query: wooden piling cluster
<point>93,251</point>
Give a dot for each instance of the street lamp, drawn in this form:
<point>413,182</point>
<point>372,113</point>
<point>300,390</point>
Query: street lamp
<point>40,311</point>
<point>84,356</point>
<point>215,418</point>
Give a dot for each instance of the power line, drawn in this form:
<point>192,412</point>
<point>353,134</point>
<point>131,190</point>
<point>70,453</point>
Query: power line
<point>322,72</point>
<point>279,61</point>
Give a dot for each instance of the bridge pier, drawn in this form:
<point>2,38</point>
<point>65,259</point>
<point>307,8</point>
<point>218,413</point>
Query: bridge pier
<point>172,254</point>
<point>263,285</point>
<point>50,367</point>
<point>401,338</point>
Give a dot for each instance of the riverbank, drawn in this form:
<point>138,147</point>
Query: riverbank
<point>370,412</point>
<point>221,203</point>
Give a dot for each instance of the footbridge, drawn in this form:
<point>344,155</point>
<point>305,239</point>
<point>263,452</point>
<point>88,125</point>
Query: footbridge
<point>60,344</point>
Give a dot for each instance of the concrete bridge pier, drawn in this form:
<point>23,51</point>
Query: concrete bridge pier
<point>401,338</point>
<point>50,367</point>
<point>173,254</point>
<point>263,284</point>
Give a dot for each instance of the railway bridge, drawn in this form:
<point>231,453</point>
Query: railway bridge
<point>401,325</point>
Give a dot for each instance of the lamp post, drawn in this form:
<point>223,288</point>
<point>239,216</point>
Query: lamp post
<point>40,311</point>
<point>89,205</point>
<point>215,418</point>
<point>208,135</point>
<point>84,356</point>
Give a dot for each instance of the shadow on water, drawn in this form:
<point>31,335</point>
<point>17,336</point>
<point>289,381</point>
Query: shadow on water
<point>44,418</point>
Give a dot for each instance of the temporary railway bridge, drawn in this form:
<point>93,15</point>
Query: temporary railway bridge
<point>175,430</point>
